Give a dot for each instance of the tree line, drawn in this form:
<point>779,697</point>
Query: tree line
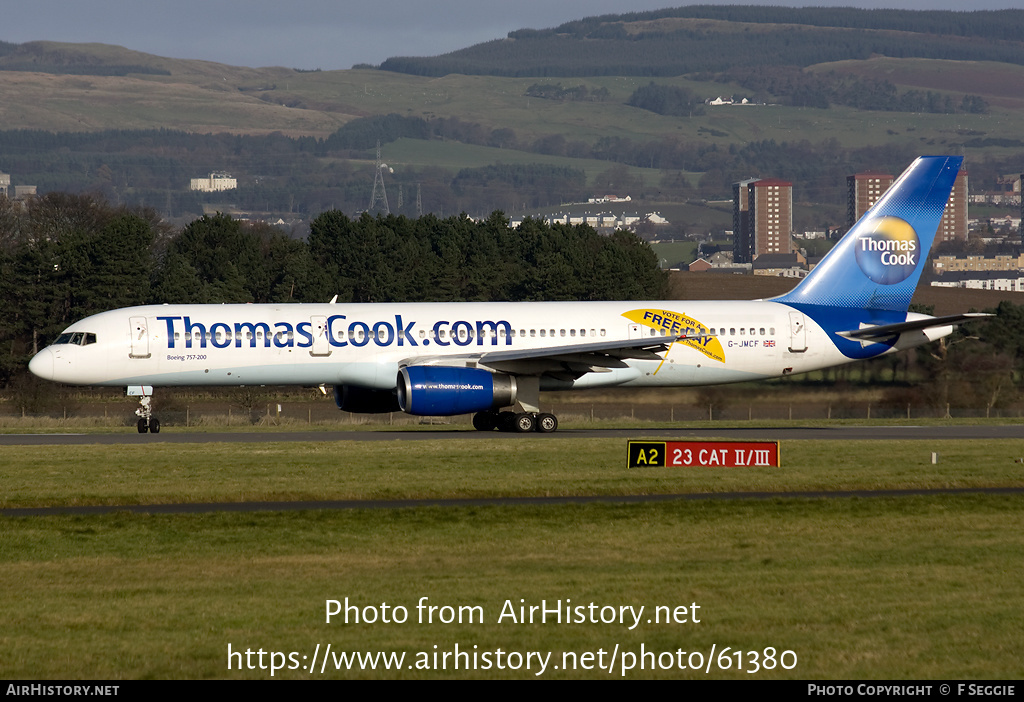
<point>794,86</point>
<point>65,256</point>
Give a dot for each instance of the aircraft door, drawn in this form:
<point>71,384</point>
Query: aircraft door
<point>321,344</point>
<point>140,338</point>
<point>797,332</point>
<point>637,331</point>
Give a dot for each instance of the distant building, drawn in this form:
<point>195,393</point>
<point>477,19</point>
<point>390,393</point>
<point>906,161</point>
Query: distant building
<point>1007,281</point>
<point>955,264</point>
<point>699,266</point>
<point>742,249</point>
<point>762,218</point>
<point>786,265</point>
<point>216,183</point>
<point>23,191</point>
<point>953,226</point>
<point>5,183</point>
<point>863,191</point>
<point>1020,227</point>
<point>771,216</point>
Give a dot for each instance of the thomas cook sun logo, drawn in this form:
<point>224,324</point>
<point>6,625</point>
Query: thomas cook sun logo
<point>888,250</point>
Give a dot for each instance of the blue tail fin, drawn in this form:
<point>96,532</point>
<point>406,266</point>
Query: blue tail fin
<point>877,264</point>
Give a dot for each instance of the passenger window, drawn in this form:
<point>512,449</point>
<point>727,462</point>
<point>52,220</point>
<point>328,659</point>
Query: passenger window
<point>542,331</point>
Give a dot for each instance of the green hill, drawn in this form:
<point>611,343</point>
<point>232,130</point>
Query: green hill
<point>695,39</point>
<point>136,127</point>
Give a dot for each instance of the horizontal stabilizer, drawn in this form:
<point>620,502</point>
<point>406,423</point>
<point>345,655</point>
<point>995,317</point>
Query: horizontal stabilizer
<point>883,331</point>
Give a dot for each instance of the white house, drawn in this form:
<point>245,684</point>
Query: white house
<point>216,183</point>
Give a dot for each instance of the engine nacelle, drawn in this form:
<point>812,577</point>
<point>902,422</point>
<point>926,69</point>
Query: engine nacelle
<point>354,398</point>
<point>442,391</point>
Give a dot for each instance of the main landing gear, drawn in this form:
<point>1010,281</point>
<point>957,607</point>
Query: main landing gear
<point>147,422</point>
<point>520,422</point>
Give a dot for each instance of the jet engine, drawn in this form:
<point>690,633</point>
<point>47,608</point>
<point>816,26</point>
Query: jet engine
<point>443,391</point>
<point>354,398</point>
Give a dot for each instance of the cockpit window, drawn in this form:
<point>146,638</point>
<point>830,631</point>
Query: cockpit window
<point>76,338</point>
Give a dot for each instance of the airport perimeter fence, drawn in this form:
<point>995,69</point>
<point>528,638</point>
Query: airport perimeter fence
<point>322,414</point>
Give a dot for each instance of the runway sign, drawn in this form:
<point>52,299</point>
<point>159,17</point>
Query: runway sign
<point>703,454</point>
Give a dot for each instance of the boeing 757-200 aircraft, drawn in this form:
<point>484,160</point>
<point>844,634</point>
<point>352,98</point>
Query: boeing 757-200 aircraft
<point>439,359</point>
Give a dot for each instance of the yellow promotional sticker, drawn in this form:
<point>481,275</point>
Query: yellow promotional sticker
<point>668,322</point>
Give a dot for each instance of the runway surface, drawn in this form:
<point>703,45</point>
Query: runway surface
<point>838,433</point>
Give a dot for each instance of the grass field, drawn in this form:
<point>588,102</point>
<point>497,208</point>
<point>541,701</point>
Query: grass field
<point>915,587</point>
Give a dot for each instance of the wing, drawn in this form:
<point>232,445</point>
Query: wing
<point>561,362</point>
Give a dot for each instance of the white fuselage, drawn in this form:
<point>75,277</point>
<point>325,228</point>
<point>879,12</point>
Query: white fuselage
<point>366,344</point>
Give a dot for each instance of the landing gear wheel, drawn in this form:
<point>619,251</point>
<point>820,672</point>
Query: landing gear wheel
<point>506,421</point>
<point>524,423</point>
<point>152,425</point>
<point>546,423</point>
<point>485,421</point>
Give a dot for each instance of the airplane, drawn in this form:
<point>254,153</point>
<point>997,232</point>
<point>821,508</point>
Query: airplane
<point>445,359</point>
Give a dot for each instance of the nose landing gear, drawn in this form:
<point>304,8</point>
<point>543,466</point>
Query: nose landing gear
<point>147,422</point>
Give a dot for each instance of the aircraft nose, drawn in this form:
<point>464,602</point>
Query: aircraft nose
<point>41,364</point>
